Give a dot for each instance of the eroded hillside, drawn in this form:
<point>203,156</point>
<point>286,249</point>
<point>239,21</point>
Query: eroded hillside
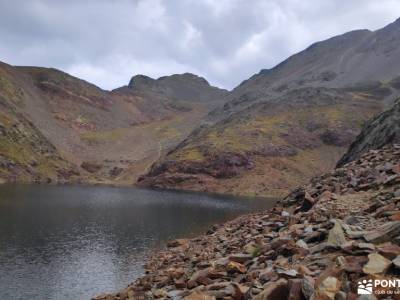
<point>25,154</point>
<point>287,124</point>
<point>112,137</point>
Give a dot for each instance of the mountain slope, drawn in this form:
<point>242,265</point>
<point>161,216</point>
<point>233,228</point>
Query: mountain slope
<point>287,124</point>
<point>25,154</point>
<point>360,56</point>
<point>113,136</point>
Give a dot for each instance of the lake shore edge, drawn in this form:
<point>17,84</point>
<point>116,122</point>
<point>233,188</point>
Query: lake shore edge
<point>316,243</point>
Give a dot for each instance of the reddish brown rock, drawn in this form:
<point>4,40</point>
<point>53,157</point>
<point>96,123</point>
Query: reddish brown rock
<point>274,291</point>
<point>389,250</point>
<point>199,296</point>
<point>385,233</point>
<point>354,264</point>
<point>295,290</point>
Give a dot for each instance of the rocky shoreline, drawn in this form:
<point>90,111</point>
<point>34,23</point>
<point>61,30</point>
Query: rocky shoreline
<point>317,243</point>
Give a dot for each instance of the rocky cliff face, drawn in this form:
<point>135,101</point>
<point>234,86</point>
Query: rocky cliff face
<point>317,243</point>
<point>120,132</point>
<point>290,123</point>
<point>380,131</point>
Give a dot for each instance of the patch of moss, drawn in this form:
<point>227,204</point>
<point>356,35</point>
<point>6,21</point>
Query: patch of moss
<point>167,132</point>
<point>191,154</point>
<point>103,136</point>
<point>14,150</point>
<point>9,90</point>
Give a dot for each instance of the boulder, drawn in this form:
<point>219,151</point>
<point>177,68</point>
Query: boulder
<point>199,296</point>
<point>354,264</point>
<point>199,277</point>
<point>376,264</point>
<point>307,286</point>
<point>389,250</point>
<point>336,235</point>
<point>274,291</point>
<point>328,288</point>
<point>235,267</point>
<point>295,292</point>
<point>385,233</point>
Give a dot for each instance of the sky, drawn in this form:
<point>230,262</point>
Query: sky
<point>106,42</point>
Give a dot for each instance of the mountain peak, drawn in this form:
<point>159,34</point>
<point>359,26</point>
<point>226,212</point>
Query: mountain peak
<point>141,80</point>
<point>185,77</point>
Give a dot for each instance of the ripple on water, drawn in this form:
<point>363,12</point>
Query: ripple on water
<point>64,242</point>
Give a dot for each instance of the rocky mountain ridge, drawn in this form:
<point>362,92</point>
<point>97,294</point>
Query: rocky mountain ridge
<point>289,123</point>
<point>104,136</point>
<point>347,60</point>
<point>270,134</point>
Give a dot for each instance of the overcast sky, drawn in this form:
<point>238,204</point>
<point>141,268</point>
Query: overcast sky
<point>226,41</point>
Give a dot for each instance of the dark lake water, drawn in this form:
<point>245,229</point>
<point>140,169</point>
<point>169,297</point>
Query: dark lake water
<point>74,242</point>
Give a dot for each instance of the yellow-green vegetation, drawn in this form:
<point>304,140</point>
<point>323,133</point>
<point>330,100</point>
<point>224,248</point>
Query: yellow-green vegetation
<point>167,132</point>
<point>191,154</point>
<point>298,139</point>
<point>63,81</point>
<point>261,130</point>
<point>82,120</point>
<point>25,154</point>
<point>8,89</point>
<point>12,149</point>
<point>105,136</point>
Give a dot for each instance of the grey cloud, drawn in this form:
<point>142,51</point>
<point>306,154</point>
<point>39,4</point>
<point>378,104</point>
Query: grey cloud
<point>226,41</point>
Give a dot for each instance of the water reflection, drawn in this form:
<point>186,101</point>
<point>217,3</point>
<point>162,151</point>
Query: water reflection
<point>64,242</point>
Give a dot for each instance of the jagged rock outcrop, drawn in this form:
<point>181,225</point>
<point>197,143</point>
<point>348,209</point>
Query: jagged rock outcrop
<point>380,131</point>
